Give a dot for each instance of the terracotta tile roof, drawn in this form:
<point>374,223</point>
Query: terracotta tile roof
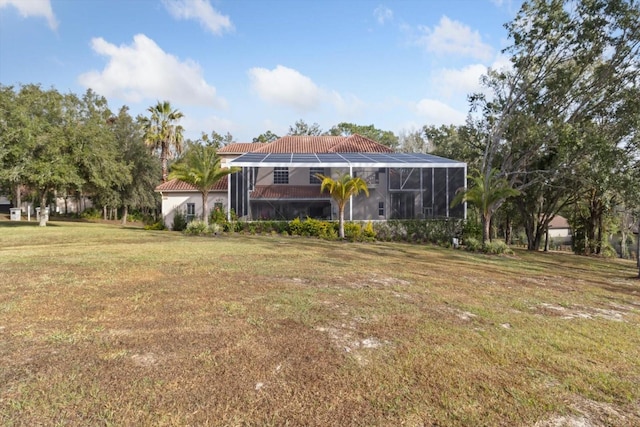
<point>323,144</point>
<point>284,192</point>
<point>177,186</point>
<point>559,222</point>
<point>240,147</point>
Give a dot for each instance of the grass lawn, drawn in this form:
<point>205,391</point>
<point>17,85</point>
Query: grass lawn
<point>104,325</point>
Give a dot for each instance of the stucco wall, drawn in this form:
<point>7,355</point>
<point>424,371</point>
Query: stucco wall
<point>176,201</point>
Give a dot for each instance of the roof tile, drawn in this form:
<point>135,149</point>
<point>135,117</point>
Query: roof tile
<point>284,192</point>
<point>177,186</point>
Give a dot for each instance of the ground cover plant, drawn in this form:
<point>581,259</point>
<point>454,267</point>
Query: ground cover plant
<point>106,325</point>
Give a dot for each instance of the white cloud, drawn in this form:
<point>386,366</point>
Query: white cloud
<point>290,88</point>
<point>459,81</point>
<point>453,37</point>
<point>286,86</point>
<point>201,11</point>
<point>143,70</point>
<point>437,113</point>
<point>28,8</point>
<point>383,14</point>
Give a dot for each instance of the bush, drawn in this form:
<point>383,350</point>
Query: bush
<point>196,228</point>
<point>472,244</point>
<point>497,247</point>
<point>155,226</point>
<point>368,232</point>
<point>91,213</point>
<point>179,221</point>
<point>352,231</point>
<point>214,228</point>
<point>472,229</point>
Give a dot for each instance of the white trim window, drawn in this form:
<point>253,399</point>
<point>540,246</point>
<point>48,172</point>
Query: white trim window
<point>380,208</point>
<point>280,175</point>
<point>313,179</point>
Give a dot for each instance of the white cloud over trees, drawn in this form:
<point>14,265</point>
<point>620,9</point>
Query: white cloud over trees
<point>142,70</point>
<point>452,37</point>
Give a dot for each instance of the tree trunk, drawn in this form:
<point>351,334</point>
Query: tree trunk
<point>638,250</point>
<point>205,214</point>
<point>486,227</point>
<point>508,229</point>
<point>341,220</point>
<point>43,209</point>
<point>18,198</point>
<point>104,212</point>
<point>125,212</point>
<point>546,239</point>
<point>163,161</point>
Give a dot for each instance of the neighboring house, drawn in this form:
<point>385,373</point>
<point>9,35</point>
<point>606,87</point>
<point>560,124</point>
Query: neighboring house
<point>560,230</point>
<point>278,181</point>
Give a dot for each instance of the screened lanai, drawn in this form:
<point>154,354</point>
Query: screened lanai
<point>401,185</point>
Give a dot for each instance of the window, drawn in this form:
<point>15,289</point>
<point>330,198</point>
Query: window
<point>380,208</point>
<point>280,175</point>
<point>191,211</point>
<point>313,179</point>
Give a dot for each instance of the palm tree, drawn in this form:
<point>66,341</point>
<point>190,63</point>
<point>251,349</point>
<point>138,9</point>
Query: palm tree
<point>485,192</point>
<point>341,189</point>
<point>200,167</point>
<point>162,134</point>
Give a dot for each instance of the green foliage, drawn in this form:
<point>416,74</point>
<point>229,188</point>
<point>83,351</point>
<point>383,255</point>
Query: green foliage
<point>162,133</point>
<point>497,247</point>
<point>179,220</point>
<point>201,167</point>
<point>268,136</point>
<point>311,227</point>
<point>196,227</point>
<point>368,232</point>
<point>341,189</point>
<point>436,231</point>
<point>302,128</point>
<point>384,137</point>
<point>472,244</point>
<point>155,226</point>
<point>471,228</point>
<point>91,213</point>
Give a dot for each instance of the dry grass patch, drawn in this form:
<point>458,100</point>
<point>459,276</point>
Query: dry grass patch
<point>102,325</point>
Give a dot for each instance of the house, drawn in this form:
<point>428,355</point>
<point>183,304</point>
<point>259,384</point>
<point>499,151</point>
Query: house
<point>277,180</point>
<point>560,230</point>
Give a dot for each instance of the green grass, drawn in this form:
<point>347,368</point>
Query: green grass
<point>104,325</point>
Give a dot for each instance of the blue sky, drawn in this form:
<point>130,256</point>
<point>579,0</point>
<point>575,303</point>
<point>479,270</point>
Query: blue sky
<point>248,66</point>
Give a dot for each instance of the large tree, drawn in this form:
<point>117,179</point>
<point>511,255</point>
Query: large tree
<point>163,134</point>
<point>302,128</point>
<point>341,189</point>
<point>575,64</point>
<point>144,168</point>
<point>268,136</point>
<point>201,168</point>
<point>384,137</point>
<point>37,149</point>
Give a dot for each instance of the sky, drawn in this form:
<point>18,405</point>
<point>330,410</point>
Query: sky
<point>248,66</point>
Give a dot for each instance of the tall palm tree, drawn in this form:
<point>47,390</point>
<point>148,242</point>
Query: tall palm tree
<point>341,189</point>
<point>200,167</point>
<point>484,192</point>
<point>162,134</point>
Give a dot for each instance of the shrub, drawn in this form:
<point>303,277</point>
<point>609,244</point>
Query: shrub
<point>179,221</point>
<point>295,227</point>
<point>497,247</point>
<point>214,228</point>
<point>472,244</point>
<point>352,231</point>
<point>472,229</point>
<point>368,232</point>
<point>196,228</point>
<point>91,213</point>
<point>155,226</point>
